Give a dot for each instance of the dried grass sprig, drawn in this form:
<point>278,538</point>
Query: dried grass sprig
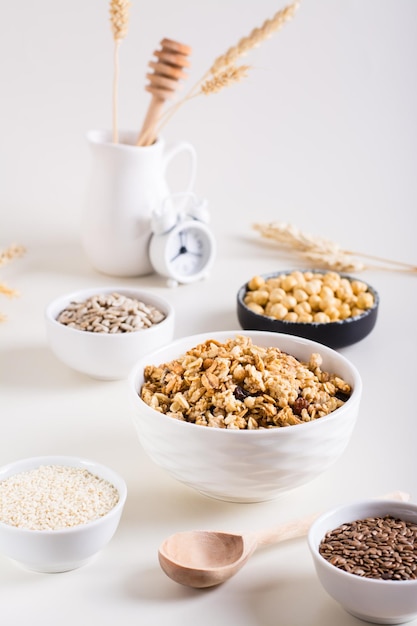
<point>232,74</point>
<point>227,61</point>
<point>12,252</point>
<point>5,290</point>
<point>325,253</point>
<point>255,38</point>
<point>119,21</point>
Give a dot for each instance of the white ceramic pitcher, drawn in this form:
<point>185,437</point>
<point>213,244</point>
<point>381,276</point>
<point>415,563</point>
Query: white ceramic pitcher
<point>126,184</point>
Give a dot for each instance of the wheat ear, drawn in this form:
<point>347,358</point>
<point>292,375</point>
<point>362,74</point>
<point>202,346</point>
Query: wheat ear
<point>324,252</point>
<point>119,21</point>
<point>255,38</point>
<point>227,61</point>
<point>12,252</point>
<point>229,76</point>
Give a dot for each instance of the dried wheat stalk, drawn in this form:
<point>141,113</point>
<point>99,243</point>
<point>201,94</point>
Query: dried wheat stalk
<point>12,252</point>
<point>224,66</point>
<point>323,252</point>
<point>119,21</point>
<point>225,78</point>
<point>255,38</point>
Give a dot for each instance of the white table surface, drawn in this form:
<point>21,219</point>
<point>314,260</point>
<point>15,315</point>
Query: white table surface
<point>333,151</point>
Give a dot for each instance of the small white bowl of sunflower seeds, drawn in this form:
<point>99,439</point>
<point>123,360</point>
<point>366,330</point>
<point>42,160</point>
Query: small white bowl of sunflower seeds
<point>102,332</point>
<point>58,512</point>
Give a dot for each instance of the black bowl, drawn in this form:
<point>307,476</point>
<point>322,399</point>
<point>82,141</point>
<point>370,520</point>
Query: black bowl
<point>337,334</point>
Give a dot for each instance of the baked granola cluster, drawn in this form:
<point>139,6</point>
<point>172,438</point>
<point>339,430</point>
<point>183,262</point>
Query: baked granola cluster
<point>239,385</point>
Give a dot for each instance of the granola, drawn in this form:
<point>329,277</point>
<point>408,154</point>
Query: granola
<point>239,385</point>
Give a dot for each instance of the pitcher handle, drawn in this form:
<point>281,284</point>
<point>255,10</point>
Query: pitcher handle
<point>177,148</point>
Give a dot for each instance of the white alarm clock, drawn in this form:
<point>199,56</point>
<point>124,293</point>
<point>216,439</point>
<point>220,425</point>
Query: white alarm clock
<point>182,247</point>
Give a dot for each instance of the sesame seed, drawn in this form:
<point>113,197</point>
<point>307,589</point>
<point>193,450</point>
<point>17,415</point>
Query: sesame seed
<point>53,497</point>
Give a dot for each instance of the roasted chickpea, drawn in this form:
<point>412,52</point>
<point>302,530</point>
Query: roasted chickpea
<point>291,317</point>
<point>321,317</point>
<point>256,308</point>
<point>365,300</point>
<point>300,295</point>
<point>278,310</point>
<point>358,287</point>
<point>289,301</point>
<point>315,302</point>
<point>302,307</point>
<point>288,282</point>
<point>256,282</point>
<point>313,286</point>
<point>260,296</point>
<point>277,294</point>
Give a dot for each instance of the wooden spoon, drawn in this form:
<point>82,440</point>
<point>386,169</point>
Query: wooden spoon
<point>163,83</point>
<point>201,558</point>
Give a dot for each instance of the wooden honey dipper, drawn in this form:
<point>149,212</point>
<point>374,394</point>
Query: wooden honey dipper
<point>163,83</point>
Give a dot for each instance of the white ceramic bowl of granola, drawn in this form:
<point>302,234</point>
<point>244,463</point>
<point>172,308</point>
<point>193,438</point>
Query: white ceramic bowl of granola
<point>370,599</point>
<point>106,356</point>
<point>246,465</point>
<point>47,532</point>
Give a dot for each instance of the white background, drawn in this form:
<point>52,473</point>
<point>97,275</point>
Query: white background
<point>321,134</point>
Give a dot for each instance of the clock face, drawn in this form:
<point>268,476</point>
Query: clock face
<point>189,249</point>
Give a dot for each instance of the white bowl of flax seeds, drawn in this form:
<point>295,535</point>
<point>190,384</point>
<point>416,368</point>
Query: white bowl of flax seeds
<point>365,555</point>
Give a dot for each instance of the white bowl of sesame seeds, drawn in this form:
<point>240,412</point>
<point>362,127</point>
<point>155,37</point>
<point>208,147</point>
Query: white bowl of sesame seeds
<point>103,331</point>
<point>57,512</point>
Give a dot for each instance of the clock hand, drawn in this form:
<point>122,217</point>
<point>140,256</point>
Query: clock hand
<point>183,240</point>
<point>182,250</point>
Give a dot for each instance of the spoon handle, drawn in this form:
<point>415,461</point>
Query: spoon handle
<point>284,532</point>
<point>300,528</point>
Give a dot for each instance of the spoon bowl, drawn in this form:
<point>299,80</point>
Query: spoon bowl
<point>202,559</point>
